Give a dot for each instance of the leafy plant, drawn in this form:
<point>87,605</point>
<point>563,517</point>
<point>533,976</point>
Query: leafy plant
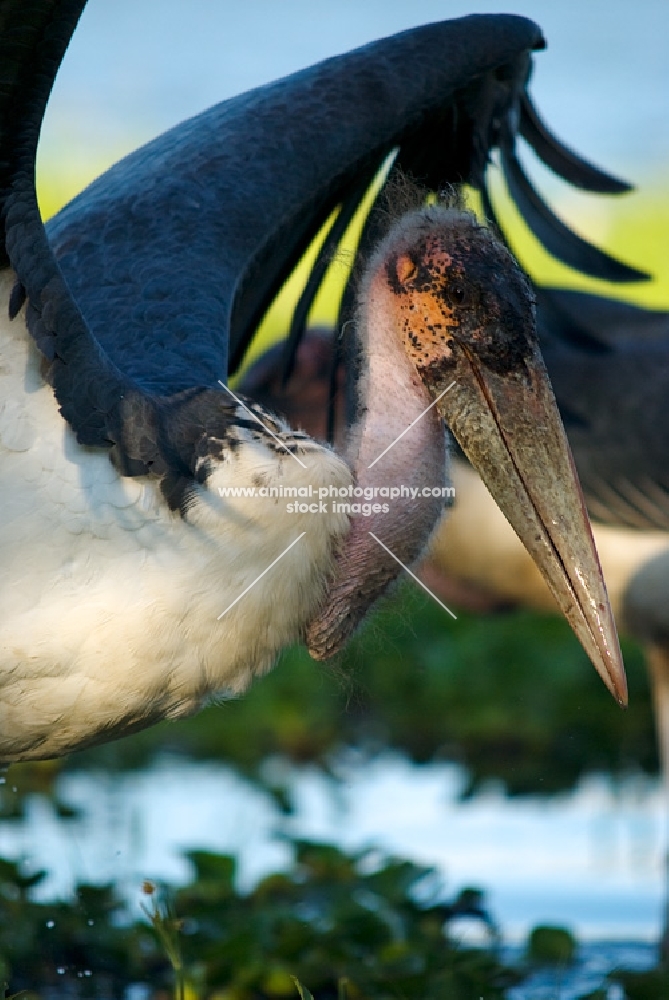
<point>343,926</point>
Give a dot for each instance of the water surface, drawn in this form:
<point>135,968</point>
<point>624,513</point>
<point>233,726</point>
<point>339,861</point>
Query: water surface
<point>591,860</point>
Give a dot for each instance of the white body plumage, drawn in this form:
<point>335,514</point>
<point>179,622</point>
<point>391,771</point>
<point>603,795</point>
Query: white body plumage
<point>109,602</point>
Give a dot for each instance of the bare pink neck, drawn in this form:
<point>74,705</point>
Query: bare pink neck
<point>394,396</point>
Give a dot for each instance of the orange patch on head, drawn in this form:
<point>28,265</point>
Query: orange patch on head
<point>425,317</point>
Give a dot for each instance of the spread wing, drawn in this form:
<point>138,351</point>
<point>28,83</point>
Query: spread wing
<point>151,283</point>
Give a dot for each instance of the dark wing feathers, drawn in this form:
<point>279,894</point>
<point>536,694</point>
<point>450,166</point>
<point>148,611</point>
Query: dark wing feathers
<point>167,262</point>
<point>558,239</point>
<point>608,362</point>
<point>562,160</point>
<point>195,233</point>
<point>349,206</point>
<point>97,398</point>
<point>33,40</point>
<point>595,323</point>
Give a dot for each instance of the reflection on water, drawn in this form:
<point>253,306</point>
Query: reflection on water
<point>591,860</point>
<point>594,962</point>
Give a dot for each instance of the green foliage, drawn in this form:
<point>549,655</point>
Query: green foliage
<point>167,930</point>
<point>302,990</point>
<point>548,945</point>
<point>651,985</point>
<point>329,920</point>
<point>83,944</point>
<point>337,924</point>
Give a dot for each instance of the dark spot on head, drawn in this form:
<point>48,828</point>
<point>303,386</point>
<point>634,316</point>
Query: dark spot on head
<point>492,302</point>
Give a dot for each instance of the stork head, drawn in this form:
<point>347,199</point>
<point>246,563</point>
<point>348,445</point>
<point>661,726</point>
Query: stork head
<point>450,302</point>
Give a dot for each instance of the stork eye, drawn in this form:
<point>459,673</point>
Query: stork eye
<point>406,269</point>
<point>459,294</point>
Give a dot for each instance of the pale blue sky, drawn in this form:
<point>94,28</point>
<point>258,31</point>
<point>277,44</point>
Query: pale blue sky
<point>136,67</point>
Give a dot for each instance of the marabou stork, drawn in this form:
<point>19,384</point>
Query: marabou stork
<point>134,589</point>
<point>609,366</point>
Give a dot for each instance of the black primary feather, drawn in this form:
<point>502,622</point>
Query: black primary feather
<point>560,159</point>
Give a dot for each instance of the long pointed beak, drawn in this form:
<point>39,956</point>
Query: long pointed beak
<point>509,427</point>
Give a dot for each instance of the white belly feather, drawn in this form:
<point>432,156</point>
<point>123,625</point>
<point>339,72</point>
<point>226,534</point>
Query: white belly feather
<point>109,602</point>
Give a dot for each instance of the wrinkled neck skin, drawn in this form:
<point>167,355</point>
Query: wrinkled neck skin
<point>393,396</point>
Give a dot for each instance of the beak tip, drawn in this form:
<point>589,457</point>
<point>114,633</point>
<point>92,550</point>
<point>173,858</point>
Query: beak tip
<point>616,680</point>
<point>621,696</point>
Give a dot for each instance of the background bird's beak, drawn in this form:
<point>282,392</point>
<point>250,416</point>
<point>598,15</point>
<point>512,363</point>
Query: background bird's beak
<point>509,427</point>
